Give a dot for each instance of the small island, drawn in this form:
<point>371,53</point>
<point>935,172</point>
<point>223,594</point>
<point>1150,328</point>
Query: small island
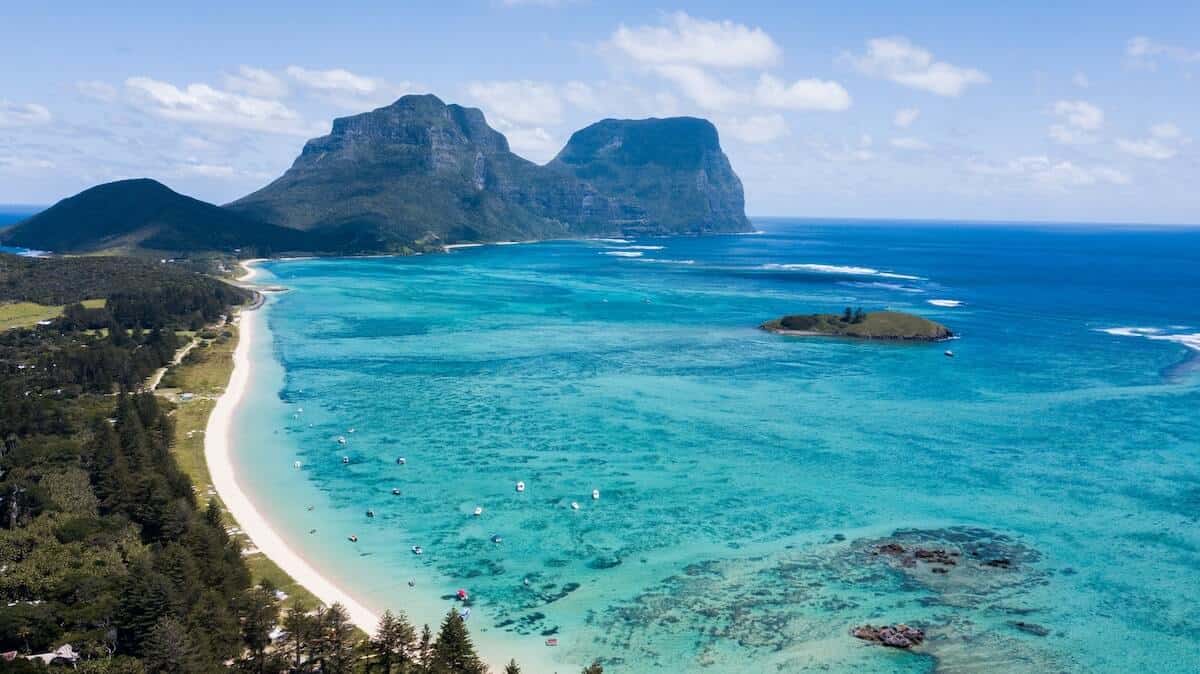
<point>858,324</point>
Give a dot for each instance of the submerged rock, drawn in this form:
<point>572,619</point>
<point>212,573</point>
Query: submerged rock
<point>1030,628</point>
<point>894,636</point>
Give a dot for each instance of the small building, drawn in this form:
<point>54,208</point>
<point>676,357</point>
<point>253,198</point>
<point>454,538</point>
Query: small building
<point>63,655</point>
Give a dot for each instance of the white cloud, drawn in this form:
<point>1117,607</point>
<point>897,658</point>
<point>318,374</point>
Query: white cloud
<point>809,94</point>
<point>1044,172</point>
<point>22,114</point>
<point>698,42</point>
<point>532,142</point>
<point>757,128</point>
<point>519,101</point>
<point>581,95</point>
<point>899,60</point>
<point>349,90</point>
<point>95,89</point>
<point>15,163</point>
<point>206,170</point>
<point>334,79</point>
<point>202,103</point>
<point>1080,80</point>
<point>256,82</point>
<point>1078,122</point>
<point>1144,51</point>
<point>706,90</point>
<point>909,143</point>
<point>1080,114</point>
<point>846,152</point>
<point>905,117</point>
<point>1164,142</point>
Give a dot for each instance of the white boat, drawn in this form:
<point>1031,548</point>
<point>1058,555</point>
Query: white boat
<point>345,459</point>
<point>396,491</point>
<point>520,486</point>
<point>341,439</point>
<point>416,549</point>
<point>574,505</point>
<point>400,461</point>
<point>478,511</point>
<point>497,539</point>
<point>296,464</point>
<point>353,538</point>
<point>949,353</point>
<point>595,494</point>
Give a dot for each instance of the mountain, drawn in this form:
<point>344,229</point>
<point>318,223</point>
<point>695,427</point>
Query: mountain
<point>422,171</point>
<point>662,176</point>
<point>145,214</point>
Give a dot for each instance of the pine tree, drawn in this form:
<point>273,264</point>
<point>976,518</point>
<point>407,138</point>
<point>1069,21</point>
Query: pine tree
<point>394,643</point>
<point>170,650</point>
<point>258,612</point>
<point>847,315</point>
<point>337,635</point>
<point>453,653</point>
<point>593,668</point>
<point>299,629</point>
<point>425,649</point>
<point>512,668</point>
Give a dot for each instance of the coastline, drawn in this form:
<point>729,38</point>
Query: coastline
<point>495,649</point>
<point>217,447</point>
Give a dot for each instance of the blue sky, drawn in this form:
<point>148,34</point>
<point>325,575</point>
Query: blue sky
<point>1018,111</point>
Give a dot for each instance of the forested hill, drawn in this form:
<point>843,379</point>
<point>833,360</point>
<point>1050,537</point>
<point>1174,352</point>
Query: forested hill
<point>143,214</point>
<point>74,279</point>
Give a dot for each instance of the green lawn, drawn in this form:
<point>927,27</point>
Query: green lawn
<point>26,314</point>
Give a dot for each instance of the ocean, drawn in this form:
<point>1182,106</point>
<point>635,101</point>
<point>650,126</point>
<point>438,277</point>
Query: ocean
<point>747,481</point>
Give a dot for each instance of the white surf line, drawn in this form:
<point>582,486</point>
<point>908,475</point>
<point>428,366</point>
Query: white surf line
<point>217,444</point>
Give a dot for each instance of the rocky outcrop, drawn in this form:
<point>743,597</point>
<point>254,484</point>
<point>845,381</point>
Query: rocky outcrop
<point>894,636</point>
<point>421,172</point>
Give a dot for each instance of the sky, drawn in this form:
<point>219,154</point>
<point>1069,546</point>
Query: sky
<point>1015,111</point>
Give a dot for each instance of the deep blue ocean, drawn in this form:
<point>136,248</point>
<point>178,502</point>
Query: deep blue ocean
<point>747,480</point>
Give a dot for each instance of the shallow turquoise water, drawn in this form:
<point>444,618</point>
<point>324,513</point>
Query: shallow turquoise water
<point>745,478</point>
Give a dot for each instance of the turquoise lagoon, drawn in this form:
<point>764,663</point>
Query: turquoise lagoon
<point>747,479</point>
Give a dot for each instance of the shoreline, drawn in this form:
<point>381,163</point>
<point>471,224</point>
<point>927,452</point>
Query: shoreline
<point>217,447</point>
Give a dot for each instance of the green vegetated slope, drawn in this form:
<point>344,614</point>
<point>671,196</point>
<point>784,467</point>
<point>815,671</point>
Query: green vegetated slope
<point>863,325</point>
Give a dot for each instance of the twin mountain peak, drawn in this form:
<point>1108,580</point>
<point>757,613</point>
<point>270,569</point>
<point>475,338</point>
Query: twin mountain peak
<point>418,174</point>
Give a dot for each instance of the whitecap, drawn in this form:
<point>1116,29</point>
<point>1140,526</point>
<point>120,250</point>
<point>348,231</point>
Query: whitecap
<point>946,303</point>
<point>665,261</point>
<point>611,240</point>
<point>1131,332</point>
<point>837,269</point>
<point>1191,341</point>
<point>641,247</point>
<point>885,286</point>
<point>624,253</point>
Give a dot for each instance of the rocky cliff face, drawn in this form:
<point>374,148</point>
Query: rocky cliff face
<point>665,176</point>
<point>423,171</point>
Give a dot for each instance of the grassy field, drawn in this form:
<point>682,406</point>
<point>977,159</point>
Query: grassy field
<point>26,314</point>
<point>205,373</point>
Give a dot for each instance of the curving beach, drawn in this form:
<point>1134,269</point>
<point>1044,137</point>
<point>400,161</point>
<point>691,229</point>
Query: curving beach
<point>217,445</point>
<point>494,648</point>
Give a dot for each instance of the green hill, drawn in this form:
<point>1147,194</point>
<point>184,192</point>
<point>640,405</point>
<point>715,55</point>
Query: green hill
<point>143,214</point>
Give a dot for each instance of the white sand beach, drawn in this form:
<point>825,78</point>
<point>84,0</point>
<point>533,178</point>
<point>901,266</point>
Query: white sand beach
<point>216,454</point>
<point>494,648</point>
